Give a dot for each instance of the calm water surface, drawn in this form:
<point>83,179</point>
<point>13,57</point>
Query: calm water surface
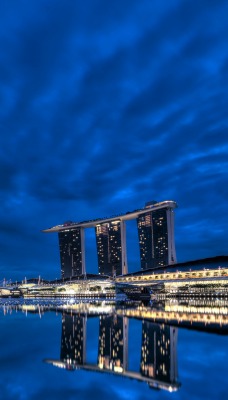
<point>94,351</point>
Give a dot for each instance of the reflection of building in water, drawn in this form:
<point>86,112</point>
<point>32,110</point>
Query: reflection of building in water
<point>73,341</point>
<point>158,353</point>
<point>113,343</point>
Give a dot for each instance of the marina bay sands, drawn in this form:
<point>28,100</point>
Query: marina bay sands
<point>155,225</point>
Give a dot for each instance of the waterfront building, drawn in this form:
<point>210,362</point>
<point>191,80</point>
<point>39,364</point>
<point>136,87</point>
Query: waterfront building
<point>72,255</point>
<point>156,237</point>
<point>103,253</point>
<point>156,240</point>
<point>111,248</point>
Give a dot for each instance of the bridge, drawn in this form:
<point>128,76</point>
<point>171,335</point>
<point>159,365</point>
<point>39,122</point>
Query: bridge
<point>155,224</point>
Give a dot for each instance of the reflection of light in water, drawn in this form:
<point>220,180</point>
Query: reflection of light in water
<point>71,301</point>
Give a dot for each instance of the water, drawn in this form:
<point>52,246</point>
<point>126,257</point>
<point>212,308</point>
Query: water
<point>70,350</point>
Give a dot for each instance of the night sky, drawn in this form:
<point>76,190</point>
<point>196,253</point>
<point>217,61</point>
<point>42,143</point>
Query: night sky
<point>105,106</point>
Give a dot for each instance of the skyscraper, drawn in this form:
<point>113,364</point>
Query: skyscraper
<point>103,254</point>
<point>156,238</point>
<point>111,247</point>
<point>71,246</point>
<point>115,247</point>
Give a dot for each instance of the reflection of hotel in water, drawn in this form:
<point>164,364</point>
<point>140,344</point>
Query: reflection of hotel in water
<point>73,340</point>
<point>158,352</point>
<point>113,343</point>
<point>158,366</point>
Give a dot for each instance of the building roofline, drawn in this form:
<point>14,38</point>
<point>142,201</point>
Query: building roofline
<point>119,217</point>
<point>191,263</point>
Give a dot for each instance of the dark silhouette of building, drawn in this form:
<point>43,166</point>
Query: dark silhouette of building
<point>158,366</point>
<point>156,238</point>
<point>113,343</point>
<point>111,248</point>
<point>73,340</point>
<point>71,246</point>
<point>159,352</point>
<point>103,254</point>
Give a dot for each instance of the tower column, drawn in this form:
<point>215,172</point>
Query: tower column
<point>156,237</point>
<point>72,252</point>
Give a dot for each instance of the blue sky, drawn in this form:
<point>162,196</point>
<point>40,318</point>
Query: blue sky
<point>104,107</point>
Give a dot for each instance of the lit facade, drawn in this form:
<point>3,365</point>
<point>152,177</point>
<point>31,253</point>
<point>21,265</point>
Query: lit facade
<point>158,363</point>
<point>73,340</point>
<point>72,255</point>
<point>156,238</point>
<point>155,224</point>
<point>111,248</point>
<point>103,254</point>
<point>159,352</point>
<point>113,343</point>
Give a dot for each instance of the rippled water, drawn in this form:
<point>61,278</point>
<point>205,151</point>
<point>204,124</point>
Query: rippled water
<point>99,350</point>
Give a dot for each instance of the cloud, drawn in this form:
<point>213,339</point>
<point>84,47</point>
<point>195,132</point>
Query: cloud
<point>104,108</point>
